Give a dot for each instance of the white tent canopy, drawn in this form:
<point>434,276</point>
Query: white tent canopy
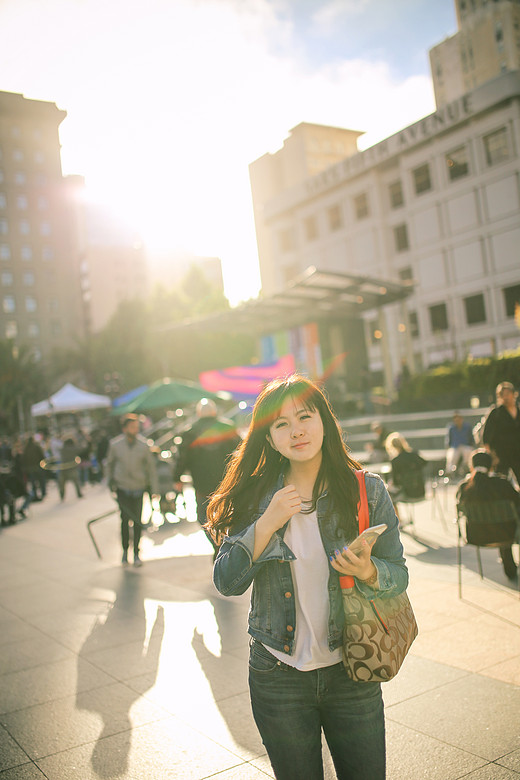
<point>70,399</point>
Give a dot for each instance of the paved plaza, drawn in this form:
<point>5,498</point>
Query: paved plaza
<point>112,672</point>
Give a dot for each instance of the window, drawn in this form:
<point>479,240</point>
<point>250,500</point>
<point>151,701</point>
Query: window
<point>8,304</point>
<point>48,253</point>
<point>39,157</point>
<point>286,242</point>
<point>3,201</point>
<point>511,299</point>
<point>21,202</point>
<point>413,321</point>
<point>55,327</point>
<point>7,279</point>
<point>311,228</point>
<point>20,177</point>
<point>475,309</point>
<point>11,329</point>
<point>496,146</point>
<point>45,229</point>
<point>26,253</point>
<point>1,175</point>
<point>33,330</point>
<point>458,163</point>
<point>401,238</point>
<point>43,203</point>
<point>24,227</point>
<point>335,217</point>
<point>5,252</point>
<point>4,227</point>
<point>438,317</point>
<point>54,304</point>
<point>406,273</point>
<point>361,206</point>
<point>395,191</point>
<point>17,155</point>
<point>421,178</point>
<point>30,303</point>
<point>28,279</point>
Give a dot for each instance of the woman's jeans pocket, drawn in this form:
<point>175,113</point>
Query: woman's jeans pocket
<point>260,659</point>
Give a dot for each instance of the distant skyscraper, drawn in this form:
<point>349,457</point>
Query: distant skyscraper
<point>487,44</point>
<point>39,274</point>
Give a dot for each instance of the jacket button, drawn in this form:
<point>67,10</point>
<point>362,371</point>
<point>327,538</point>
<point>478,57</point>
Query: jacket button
<point>288,595</point>
<point>290,628</point>
<point>286,648</point>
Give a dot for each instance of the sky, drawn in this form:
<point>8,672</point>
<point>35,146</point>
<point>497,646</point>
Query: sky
<point>168,101</point>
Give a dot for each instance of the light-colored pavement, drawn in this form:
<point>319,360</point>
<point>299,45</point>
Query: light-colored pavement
<point>109,672</point>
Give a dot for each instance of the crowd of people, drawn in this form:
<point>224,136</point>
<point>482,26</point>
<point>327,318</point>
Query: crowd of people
<point>29,463</point>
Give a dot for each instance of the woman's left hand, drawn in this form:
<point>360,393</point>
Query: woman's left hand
<point>360,566</point>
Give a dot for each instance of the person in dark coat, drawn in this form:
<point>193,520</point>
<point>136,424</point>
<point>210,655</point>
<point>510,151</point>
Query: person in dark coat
<point>501,432</point>
<point>483,485</point>
<point>203,453</point>
<point>32,457</point>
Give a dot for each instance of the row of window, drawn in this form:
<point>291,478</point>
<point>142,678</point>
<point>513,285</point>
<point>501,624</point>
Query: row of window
<point>474,310</point>
<point>22,201</point>
<point>30,304</point>
<point>26,253</point>
<point>32,329</point>
<point>20,178</point>
<point>496,149</point>
<point>18,155</point>
<point>24,227</point>
<point>7,279</point>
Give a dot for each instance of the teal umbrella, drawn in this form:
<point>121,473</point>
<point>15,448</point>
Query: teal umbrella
<point>168,394</point>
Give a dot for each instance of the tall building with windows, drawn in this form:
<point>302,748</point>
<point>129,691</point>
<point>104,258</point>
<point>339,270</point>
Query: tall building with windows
<point>486,44</point>
<point>436,205</point>
<point>39,275</point>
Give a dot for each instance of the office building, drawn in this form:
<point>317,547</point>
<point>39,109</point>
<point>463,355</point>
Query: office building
<point>39,275</point>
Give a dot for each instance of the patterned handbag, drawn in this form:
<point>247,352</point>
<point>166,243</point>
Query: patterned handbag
<point>378,632</point>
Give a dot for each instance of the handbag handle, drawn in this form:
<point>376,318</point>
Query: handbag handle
<point>346,580</point>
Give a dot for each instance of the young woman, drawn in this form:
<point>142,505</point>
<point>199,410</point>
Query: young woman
<point>284,516</point>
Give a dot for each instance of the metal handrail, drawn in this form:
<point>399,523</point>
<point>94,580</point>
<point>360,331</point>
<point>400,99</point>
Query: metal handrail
<point>95,520</point>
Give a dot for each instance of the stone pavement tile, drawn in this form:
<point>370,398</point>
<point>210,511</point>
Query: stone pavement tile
<point>412,754</point>
<point>474,644</point>
<point>228,722</point>
<point>511,760</point>
<point>165,750</point>
<point>11,754</point>
<point>31,651</point>
<point>463,714</point>
<point>14,629</point>
<point>23,772</point>
<point>48,682</point>
<point>417,676</point>
<point>242,772</point>
<point>82,718</point>
<point>38,598</point>
<point>493,772</point>
<point>507,671</point>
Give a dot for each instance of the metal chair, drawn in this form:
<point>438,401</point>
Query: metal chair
<point>485,524</point>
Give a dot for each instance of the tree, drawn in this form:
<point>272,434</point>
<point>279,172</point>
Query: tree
<point>21,384</point>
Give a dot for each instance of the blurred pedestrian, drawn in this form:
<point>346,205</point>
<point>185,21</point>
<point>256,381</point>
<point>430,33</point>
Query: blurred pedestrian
<point>130,473</point>
<point>32,457</point>
<point>68,470</point>
<point>376,451</point>
<point>459,443</point>
<point>483,485</point>
<point>407,479</point>
<point>203,453</point>
<point>501,434</point>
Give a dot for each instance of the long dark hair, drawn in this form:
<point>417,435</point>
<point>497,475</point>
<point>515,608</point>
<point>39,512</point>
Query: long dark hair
<point>477,483</point>
<point>255,467</point>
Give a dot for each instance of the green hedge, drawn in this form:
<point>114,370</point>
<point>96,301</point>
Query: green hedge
<point>455,384</point>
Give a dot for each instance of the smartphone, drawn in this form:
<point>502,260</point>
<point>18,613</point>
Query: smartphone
<point>370,534</point>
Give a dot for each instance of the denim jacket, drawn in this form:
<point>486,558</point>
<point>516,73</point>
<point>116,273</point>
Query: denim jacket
<point>272,615</point>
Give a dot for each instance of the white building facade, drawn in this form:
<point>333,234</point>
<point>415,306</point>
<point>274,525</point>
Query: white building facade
<point>436,205</point>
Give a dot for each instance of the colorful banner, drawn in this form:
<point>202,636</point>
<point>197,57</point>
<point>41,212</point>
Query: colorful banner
<point>246,381</point>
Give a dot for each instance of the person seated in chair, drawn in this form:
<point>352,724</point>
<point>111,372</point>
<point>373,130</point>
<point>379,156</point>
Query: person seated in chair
<point>407,478</point>
<point>484,485</point>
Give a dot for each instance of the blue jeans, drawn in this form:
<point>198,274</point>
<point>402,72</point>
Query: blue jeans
<point>291,708</point>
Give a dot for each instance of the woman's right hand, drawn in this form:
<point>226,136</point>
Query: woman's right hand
<point>284,504</point>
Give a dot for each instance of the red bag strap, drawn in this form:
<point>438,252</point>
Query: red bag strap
<point>346,581</point>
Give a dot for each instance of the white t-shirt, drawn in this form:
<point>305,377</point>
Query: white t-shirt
<point>310,573</point>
